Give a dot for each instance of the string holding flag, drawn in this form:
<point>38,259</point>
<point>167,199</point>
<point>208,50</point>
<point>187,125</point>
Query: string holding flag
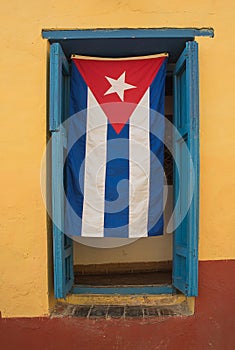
<point>114,172</point>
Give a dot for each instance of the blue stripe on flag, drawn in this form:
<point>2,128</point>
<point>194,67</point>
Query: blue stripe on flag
<point>74,165</point>
<point>78,91</point>
<point>157,127</point>
<point>116,215</point>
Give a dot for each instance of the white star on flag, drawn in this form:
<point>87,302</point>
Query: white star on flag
<point>118,86</point>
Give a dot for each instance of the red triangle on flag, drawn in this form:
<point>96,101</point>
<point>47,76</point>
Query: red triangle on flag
<point>118,84</point>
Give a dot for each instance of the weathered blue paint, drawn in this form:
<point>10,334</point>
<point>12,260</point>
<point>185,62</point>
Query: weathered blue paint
<point>186,119</point>
<point>62,245</point>
<point>126,33</point>
<point>58,62</point>
<point>124,290</point>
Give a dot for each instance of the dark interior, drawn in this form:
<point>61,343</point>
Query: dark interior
<point>124,47</point>
<point>149,278</point>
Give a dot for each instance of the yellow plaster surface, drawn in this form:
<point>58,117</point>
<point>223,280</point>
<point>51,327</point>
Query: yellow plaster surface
<point>24,276</point>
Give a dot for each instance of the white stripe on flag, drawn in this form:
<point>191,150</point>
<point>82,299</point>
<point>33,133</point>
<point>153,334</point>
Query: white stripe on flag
<point>139,168</point>
<point>95,169</point>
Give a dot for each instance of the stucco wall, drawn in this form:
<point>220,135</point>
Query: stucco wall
<point>23,87</point>
<point>211,328</point>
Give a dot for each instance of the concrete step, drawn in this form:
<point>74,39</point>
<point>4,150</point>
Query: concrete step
<point>164,307</point>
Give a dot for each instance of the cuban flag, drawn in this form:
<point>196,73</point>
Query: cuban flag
<point>114,176</point>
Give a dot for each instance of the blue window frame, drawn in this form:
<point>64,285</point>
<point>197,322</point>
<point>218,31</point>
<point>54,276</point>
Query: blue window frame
<point>62,245</point>
<point>186,119</point>
<point>186,177</point>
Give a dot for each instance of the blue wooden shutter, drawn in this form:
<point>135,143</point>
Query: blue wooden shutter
<point>186,119</point>
<point>59,111</point>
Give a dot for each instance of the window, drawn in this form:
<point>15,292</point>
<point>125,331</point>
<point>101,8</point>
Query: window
<point>186,119</point>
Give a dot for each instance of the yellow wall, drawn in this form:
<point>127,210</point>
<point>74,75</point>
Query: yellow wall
<point>24,259</point>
